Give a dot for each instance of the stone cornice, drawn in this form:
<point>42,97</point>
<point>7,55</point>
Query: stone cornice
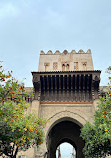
<point>66,72</point>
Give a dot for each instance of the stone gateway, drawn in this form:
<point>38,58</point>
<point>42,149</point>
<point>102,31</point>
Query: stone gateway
<point>66,90</point>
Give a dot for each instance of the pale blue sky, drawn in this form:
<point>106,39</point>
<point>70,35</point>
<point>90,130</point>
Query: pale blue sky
<point>66,150</point>
<point>28,26</point>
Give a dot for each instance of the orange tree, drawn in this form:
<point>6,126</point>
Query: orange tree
<point>97,136</point>
<point>109,72</point>
<point>19,130</point>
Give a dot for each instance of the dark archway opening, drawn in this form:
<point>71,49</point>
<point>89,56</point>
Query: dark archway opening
<point>65,131</point>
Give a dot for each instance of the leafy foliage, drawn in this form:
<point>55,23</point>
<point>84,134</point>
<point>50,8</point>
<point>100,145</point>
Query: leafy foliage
<point>97,136</point>
<point>19,130</point>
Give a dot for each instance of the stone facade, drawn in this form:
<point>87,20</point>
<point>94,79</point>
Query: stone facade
<point>66,91</point>
<point>65,61</point>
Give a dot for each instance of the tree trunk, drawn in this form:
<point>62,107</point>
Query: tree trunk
<point>14,156</point>
<point>16,151</point>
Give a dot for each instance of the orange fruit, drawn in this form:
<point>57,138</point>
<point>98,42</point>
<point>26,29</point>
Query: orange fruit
<point>105,112</point>
<point>106,130</point>
<point>21,87</point>
<point>3,102</point>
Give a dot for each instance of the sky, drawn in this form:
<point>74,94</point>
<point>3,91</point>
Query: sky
<point>29,26</point>
<point>66,150</point>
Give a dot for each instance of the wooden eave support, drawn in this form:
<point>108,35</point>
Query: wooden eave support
<point>76,81</point>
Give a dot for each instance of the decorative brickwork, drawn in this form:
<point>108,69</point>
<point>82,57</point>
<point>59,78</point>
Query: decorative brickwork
<point>55,66</point>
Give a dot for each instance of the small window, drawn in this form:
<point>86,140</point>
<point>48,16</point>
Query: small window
<point>46,66</point>
<point>22,156</point>
<point>75,66</point>
<point>85,66</point>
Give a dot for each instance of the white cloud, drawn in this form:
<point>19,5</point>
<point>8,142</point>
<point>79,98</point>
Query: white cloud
<point>7,10</point>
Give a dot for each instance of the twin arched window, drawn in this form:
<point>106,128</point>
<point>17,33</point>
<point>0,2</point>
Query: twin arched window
<point>65,67</point>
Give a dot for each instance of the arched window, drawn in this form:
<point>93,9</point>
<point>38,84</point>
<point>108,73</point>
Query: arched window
<point>67,67</point>
<point>63,67</point>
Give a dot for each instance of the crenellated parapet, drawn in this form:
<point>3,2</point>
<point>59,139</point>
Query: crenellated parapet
<point>65,61</point>
<point>57,52</point>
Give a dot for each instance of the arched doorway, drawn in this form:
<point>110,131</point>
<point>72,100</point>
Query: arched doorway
<point>65,150</point>
<point>65,131</point>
